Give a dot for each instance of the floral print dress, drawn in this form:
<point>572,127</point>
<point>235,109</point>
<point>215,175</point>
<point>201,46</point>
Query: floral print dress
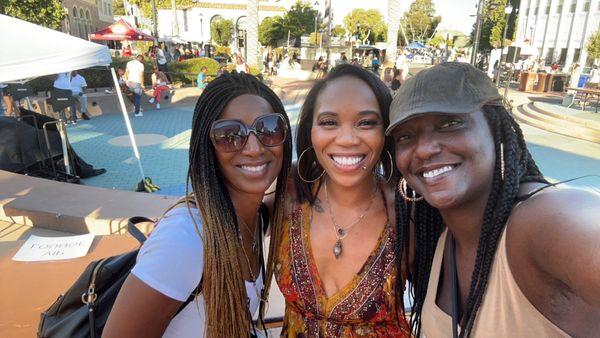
<point>365,307</point>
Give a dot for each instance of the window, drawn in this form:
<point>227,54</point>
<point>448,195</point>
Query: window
<point>563,56</point>
<point>576,55</point>
<point>87,15</point>
<point>573,6</point>
<point>559,7</point>
<point>586,6</point>
<point>75,12</point>
<point>549,56</point>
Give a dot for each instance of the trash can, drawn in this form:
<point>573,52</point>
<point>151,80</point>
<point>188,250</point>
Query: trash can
<point>523,81</point>
<point>541,83</point>
<point>582,80</point>
<point>559,83</point>
<point>548,84</point>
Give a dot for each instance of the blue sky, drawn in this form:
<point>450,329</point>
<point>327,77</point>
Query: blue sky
<point>455,13</point>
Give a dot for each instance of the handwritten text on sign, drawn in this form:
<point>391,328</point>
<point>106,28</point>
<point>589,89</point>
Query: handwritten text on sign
<point>54,248</point>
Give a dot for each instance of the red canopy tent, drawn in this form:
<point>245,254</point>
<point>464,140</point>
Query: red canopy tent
<point>121,30</point>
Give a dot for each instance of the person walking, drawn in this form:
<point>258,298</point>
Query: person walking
<point>134,77</point>
<point>78,86</point>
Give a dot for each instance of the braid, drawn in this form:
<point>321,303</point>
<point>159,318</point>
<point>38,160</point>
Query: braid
<point>223,286</point>
<point>519,167</point>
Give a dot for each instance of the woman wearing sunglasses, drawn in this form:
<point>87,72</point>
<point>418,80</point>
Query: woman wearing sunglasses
<point>336,265</point>
<point>212,249</point>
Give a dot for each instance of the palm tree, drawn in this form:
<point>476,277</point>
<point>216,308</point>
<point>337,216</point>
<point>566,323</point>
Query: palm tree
<point>252,33</point>
<point>392,33</point>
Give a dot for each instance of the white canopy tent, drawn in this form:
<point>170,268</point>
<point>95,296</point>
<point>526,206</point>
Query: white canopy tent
<point>31,51</point>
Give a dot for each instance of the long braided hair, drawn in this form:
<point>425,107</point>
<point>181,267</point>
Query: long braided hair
<point>223,286</point>
<point>519,167</point>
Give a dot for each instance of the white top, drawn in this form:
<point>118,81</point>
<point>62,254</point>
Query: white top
<point>77,84</point>
<point>240,68</point>
<point>2,85</point>
<point>160,56</point>
<point>63,81</point>
<point>135,71</point>
<point>171,261</point>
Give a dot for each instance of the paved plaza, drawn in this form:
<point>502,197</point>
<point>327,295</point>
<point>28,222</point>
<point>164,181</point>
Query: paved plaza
<point>163,140</point>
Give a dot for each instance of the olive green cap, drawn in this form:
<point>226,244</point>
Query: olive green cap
<point>450,87</point>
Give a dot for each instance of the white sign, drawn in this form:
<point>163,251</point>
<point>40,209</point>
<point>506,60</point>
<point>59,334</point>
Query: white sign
<point>37,248</point>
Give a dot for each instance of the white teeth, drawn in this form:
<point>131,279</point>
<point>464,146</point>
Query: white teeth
<point>347,160</point>
<point>254,168</point>
<point>436,172</point>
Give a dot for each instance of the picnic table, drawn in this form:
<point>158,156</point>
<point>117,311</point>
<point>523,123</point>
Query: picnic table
<point>585,94</point>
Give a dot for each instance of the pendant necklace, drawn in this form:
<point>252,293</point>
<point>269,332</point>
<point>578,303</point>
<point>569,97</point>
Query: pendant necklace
<point>341,232</point>
<point>254,244</point>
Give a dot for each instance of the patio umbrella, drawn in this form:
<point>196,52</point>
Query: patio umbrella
<point>119,31</point>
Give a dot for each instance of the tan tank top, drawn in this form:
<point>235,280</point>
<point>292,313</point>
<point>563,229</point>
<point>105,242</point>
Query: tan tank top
<point>504,312</point>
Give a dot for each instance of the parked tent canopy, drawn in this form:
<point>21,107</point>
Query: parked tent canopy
<point>31,51</point>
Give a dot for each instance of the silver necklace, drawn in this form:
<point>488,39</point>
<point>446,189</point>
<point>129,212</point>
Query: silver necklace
<point>342,232</point>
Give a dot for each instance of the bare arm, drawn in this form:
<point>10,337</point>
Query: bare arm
<point>139,311</point>
<point>563,239</point>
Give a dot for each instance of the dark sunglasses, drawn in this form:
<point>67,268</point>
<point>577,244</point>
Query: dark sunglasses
<point>231,135</point>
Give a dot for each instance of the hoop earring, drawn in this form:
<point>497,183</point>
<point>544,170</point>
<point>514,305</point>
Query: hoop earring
<point>298,168</point>
<point>402,186</point>
<point>388,179</point>
<point>502,161</point>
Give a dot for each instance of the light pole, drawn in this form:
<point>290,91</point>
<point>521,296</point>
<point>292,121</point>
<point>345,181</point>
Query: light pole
<point>477,31</point>
<point>508,11</point>
<point>316,21</point>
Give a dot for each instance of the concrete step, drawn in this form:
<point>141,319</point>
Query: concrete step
<point>563,123</point>
<point>526,115</point>
<point>537,106</point>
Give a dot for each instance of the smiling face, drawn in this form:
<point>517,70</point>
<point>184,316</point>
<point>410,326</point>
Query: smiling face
<point>447,158</point>
<point>347,130</point>
<point>252,169</point>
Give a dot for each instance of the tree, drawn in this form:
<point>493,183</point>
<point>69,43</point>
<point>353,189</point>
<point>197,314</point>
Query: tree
<point>221,31</point>
<point>492,27</point>
<point>118,7</point>
<point>436,41</point>
<point>338,31</point>
<point>47,13</point>
<point>593,46</point>
<point>367,24</point>
<point>300,20</point>
<point>270,31</point>
<point>420,21</point>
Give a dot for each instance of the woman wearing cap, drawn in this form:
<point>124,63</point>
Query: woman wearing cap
<point>497,250</point>
<point>337,266</point>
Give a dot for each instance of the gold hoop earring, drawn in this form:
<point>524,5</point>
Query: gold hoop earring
<point>389,178</point>
<point>298,168</point>
<point>402,186</point>
<point>502,161</point>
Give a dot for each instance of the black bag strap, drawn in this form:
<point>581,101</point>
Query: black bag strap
<point>133,230</point>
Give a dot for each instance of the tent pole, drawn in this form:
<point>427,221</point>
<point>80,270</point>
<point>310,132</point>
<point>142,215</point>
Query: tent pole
<point>127,122</point>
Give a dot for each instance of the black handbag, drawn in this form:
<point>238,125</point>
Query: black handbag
<point>83,309</point>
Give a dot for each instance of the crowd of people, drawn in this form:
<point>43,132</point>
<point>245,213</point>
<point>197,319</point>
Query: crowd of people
<point>434,186</point>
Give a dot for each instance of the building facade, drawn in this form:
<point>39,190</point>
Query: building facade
<point>86,16</point>
<point>559,29</point>
<point>193,23</point>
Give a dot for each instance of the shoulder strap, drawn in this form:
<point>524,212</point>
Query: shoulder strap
<point>198,290</point>
<point>133,230</point>
<point>524,197</point>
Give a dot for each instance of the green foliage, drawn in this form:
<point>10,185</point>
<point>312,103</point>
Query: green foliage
<point>118,8</point>
<point>223,51</point>
<point>299,20</point>
<point>316,39</point>
<point>187,71</point>
<point>419,21</point>
<point>367,24</point>
<point>221,31</point>
<point>593,45</point>
<point>253,70</point>
<point>436,41</point>
<point>146,5</point>
<point>338,31</point>
<point>271,30</point>
<point>492,27</point>
<point>47,13</point>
